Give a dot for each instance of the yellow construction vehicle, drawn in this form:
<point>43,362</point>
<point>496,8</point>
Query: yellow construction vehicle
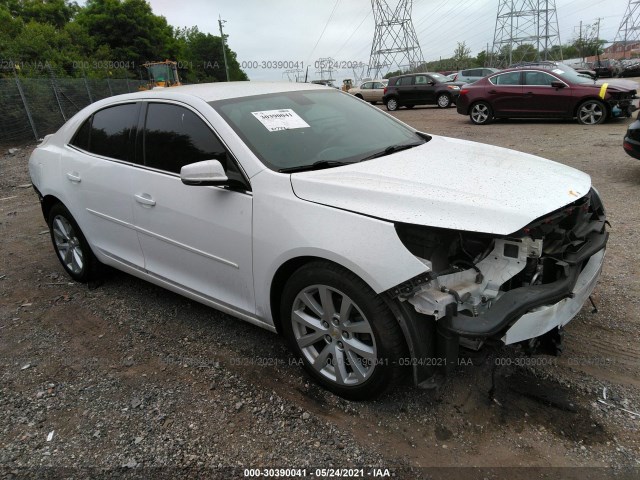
<point>161,74</point>
<point>347,83</point>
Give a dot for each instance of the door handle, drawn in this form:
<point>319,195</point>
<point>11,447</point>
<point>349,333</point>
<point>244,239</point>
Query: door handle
<point>74,177</point>
<point>492,92</point>
<point>529,94</point>
<point>145,199</point>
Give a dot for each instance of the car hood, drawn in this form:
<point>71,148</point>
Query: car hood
<point>617,84</point>
<point>448,183</point>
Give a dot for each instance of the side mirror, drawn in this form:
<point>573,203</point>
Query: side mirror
<point>206,173</point>
<point>558,84</point>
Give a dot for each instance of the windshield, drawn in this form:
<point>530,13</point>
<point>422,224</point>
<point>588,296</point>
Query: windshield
<point>439,78</point>
<point>294,129</point>
<point>567,73</point>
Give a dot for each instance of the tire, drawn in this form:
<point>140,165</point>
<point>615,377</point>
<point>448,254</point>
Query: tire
<point>481,113</point>
<point>591,112</point>
<point>392,104</point>
<point>443,100</point>
<point>71,246</point>
<point>356,358</point>
<point>374,103</point>
<point>357,95</point>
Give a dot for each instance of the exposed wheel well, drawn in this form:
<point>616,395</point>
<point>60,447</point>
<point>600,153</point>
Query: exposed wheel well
<point>47,204</point>
<point>358,95</point>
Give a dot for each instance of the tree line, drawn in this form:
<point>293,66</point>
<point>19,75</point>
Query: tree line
<point>105,38</point>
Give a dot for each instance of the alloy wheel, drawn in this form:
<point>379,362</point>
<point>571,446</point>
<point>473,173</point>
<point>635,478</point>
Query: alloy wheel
<point>68,244</point>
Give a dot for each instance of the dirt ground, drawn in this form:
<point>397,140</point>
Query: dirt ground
<point>127,379</point>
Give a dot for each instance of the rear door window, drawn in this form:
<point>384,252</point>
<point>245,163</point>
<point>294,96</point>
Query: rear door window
<point>404,81</point>
<point>510,78</point>
<point>108,132</point>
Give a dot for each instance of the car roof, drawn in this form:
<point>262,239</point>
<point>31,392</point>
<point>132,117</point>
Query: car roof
<point>210,92</point>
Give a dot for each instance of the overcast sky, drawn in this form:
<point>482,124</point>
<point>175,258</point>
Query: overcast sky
<point>306,30</point>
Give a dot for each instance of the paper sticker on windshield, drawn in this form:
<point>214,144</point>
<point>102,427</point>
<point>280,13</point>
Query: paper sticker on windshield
<point>558,71</point>
<point>276,120</point>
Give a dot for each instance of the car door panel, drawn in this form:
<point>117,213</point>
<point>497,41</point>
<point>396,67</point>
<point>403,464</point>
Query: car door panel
<point>99,186</point>
<point>539,98</point>
<point>197,237</point>
<point>504,93</point>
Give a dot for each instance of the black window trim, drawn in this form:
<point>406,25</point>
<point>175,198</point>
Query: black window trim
<point>141,128</point>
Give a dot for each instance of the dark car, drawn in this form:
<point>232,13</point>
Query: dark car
<point>631,142</point>
<point>545,92</point>
<point>420,89</point>
<point>604,68</point>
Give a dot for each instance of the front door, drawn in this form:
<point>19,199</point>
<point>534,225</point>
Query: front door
<point>196,237</point>
<point>539,98</point>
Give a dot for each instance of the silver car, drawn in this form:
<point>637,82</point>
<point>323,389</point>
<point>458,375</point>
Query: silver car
<point>473,74</point>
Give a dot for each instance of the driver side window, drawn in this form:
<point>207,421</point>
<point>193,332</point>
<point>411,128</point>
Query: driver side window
<point>175,136</point>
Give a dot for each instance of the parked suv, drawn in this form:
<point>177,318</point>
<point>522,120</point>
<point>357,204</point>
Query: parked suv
<point>473,74</point>
<point>420,89</point>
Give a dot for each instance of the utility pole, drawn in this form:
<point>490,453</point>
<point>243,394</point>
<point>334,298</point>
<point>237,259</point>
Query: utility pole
<point>224,47</point>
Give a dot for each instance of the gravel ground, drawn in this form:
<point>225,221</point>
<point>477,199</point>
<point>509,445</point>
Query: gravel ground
<point>125,379</point>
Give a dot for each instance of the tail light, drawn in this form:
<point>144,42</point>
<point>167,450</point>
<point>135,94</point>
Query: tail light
<point>464,91</point>
<point>384,92</point>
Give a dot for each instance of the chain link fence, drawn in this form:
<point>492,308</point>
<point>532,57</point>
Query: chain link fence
<point>35,107</point>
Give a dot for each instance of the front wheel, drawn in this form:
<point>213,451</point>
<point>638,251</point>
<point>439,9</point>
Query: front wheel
<point>591,112</point>
<point>344,333</point>
<point>392,104</point>
<point>481,113</point>
<point>444,100</point>
<point>72,248</point>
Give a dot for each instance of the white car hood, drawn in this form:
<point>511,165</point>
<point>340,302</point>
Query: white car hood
<point>448,183</point>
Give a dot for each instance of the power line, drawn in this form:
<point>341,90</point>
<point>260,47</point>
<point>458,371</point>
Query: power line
<point>335,6</point>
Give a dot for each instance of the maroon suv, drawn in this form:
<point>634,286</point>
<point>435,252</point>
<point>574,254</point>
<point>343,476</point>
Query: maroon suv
<point>550,91</point>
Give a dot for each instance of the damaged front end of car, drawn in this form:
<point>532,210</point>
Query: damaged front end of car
<point>486,289</point>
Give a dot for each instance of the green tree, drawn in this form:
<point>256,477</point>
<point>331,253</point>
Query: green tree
<point>202,57</point>
<point>130,30</point>
<point>461,55</point>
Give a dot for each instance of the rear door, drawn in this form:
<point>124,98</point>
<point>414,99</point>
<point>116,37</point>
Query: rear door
<point>98,165</point>
<point>539,98</point>
<point>504,93</point>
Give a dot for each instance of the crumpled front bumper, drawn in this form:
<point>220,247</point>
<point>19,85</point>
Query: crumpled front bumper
<point>543,319</point>
<point>529,312</point>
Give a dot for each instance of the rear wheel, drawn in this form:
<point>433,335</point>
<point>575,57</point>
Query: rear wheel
<point>444,100</point>
<point>481,113</point>
<point>591,112</point>
<point>392,104</point>
<point>357,95</point>
<point>72,248</point>
<point>344,333</point>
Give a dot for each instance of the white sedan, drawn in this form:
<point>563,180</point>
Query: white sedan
<point>373,248</point>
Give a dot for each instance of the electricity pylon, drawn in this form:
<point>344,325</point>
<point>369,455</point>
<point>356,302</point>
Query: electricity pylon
<point>395,43</point>
<point>629,30</point>
<point>526,28</point>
